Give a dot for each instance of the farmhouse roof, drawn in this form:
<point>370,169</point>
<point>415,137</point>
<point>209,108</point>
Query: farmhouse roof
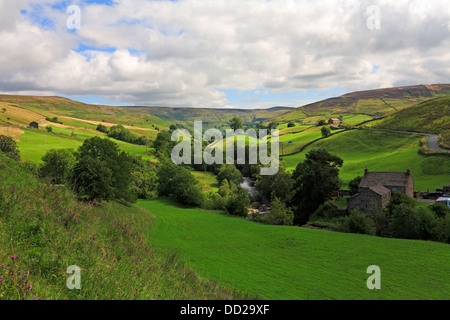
<point>372,179</point>
<point>379,189</point>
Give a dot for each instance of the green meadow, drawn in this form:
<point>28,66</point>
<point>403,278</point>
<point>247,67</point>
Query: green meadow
<point>276,262</point>
<point>34,144</point>
<point>381,151</point>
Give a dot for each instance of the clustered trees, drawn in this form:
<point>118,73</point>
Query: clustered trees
<point>121,133</point>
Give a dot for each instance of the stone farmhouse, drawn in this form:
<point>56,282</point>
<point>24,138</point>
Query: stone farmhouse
<point>376,189</point>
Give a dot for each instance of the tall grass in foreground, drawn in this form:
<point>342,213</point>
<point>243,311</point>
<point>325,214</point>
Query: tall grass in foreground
<point>44,230</point>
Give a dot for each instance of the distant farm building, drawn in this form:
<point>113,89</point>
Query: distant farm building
<point>376,189</point>
<point>34,124</point>
<point>334,121</point>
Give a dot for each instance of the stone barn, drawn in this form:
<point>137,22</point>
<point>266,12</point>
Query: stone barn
<point>34,124</point>
<point>334,121</point>
<point>376,189</point>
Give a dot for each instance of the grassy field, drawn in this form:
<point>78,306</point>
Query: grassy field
<point>207,180</point>
<point>274,262</point>
<point>34,144</point>
<point>381,151</point>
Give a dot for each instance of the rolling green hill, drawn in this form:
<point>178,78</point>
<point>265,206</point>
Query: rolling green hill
<point>276,262</point>
<point>430,117</point>
<point>381,151</point>
<point>216,118</point>
<point>371,103</point>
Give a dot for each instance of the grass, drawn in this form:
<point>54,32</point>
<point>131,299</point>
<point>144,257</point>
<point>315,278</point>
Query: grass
<point>381,151</point>
<point>293,142</point>
<point>275,262</point>
<point>34,143</point>
<point>207,180</point>
<point>43,230</point>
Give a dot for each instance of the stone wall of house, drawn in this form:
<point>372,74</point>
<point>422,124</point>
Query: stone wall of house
<point>367,201</point>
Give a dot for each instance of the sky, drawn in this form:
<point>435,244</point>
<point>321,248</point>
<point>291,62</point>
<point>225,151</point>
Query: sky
<point>220,53</point>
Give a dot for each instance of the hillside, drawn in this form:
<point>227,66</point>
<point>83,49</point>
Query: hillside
<point>371,103</point>
<point>430,117</point>
<point>44,230</point>
<point>21,110</point>
<point>217,118</point>
<point>380,151</point>
<point>277,262</point>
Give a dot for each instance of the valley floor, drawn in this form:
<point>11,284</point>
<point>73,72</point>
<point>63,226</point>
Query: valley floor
<point>275,262</point>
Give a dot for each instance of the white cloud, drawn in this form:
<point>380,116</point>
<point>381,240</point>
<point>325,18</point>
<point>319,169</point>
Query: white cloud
<point>189,49</point>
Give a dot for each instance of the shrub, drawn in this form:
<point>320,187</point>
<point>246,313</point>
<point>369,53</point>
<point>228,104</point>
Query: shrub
<point>412,223</point>
<point>178,183</point>
<point>280,214</point>
<point>358,222</point>
<point>229,172</point>
<point>58,165</point>
<point>237,204</point>
<point>102,128</point>
<point>9,147</point>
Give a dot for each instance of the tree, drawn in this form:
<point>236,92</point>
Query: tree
<point>9,147</point>
<point>238,202</point>
<point>102,128</point>
<point>291,124</point>
<point>315,179</point>
<point>321,123</point>
<point>354,185</point>
<point>279,214</point>
<point>163,144</point>
<point>440,210</point>
<point>272,125</point>
<point>325,131</point>
<point>279,185</point>
<point>58,165</point>
<point>358,222</point>
<point>230,173</point>
<point>102,172</point>
<point>236,123</point>
<point>49,129</point>
<point>178,183</point>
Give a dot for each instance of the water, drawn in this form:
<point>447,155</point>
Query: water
<point>247,184</point>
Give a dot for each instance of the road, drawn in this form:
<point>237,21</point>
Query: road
<point>432,142</point>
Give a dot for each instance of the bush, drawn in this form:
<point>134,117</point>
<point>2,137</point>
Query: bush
<point>9,147</point>
<point>214,201</point>
<point>178,183</point>
<point>102,128</point>
<point>237,203</point>
<point>58,165</point>
<point>280,214</point>
<point>412,223</point>
<point>358,222</point>
<point>230,173</point>
<point>440,210</point>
